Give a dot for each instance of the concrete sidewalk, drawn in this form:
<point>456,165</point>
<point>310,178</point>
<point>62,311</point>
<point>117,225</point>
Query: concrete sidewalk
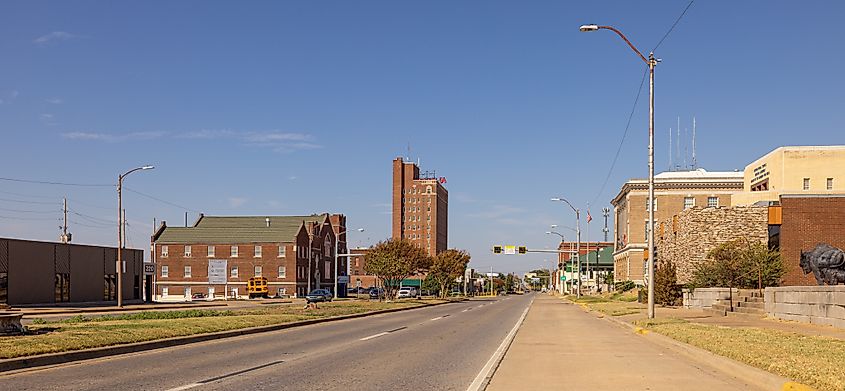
<point>561,347</point>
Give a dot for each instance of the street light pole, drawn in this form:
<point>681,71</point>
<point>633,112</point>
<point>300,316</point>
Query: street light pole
<point>651,62</point>
<point>120,218</point>
<point>577,242</point>
<point>558,283</point>
<point>336,240</point>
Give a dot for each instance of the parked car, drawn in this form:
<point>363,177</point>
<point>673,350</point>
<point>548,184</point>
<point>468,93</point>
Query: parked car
<point>407,291</point>
<point>198,296</point>
<point>319,295</point>
<point>376,293</point>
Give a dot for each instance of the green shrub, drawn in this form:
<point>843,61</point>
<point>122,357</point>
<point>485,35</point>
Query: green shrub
<point>624,286</point>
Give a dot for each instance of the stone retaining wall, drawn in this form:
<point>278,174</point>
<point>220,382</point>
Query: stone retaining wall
<point>688,237</point>
<point>701,298</point>
<point>809,304</point>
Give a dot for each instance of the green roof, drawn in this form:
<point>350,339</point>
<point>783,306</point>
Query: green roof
<point>237,229</point>
<point>605,257</point>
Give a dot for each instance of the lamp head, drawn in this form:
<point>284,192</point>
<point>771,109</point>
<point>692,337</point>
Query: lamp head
<point>589,27</point>
<point>360,230</point>
<point>555,199</point>
<point>553,226</point>
<point>148,167</point>
<point>548,233</point>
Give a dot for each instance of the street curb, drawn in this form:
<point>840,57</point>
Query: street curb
<point>124,309</point>
<point>29,362</point>
<point>752,375</point>
<point>485,376</point>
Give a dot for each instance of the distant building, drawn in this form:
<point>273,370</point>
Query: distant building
<point>420,207</point>
<point>674,191</point>
<point>33,272</point>
<point>793,170</point>
<point>358,275</point>
<point>295,254</point>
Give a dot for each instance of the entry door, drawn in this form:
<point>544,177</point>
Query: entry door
<point>211,293</point>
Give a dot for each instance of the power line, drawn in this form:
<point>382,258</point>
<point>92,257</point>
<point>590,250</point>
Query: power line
<point>93,219</point>
<point>673,25</point>
<point>26,195</point>
<point>30,202</point>
<point>161,200</point>
<point>30,211</point>
<point>31,218</point>
<point>74,222</point>
<point>57,183</point>
<point>622,141</point>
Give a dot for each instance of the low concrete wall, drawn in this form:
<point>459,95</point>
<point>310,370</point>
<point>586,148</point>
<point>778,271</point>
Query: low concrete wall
<point>701,298</point>
<point>810,304</point>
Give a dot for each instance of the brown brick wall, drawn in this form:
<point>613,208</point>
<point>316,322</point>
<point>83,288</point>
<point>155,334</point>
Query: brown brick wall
<point>413,206</point>
<point>808,221</point>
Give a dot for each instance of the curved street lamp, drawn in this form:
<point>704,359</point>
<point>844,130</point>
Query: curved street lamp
<point>577,242</point>
<point>651,62</point>
<point>120,231</point>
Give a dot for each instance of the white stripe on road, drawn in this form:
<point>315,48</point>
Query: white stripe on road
<point>437,318</point>
<point>185,387</point>
<point>374,336</point>
<point>466,310</point>
<point>487,371</point>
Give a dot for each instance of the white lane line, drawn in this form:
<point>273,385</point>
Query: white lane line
<point>185,387</point>
<point>483,379</point>
<point>374,336</point>
<point>467,309</point>
<point>437,318</point>
<point>480,306</point>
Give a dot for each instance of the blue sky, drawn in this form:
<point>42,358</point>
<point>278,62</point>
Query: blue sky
<point>299,107</point>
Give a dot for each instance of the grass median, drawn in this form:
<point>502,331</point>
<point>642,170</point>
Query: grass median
<point>813,360</point>
<point>83,332</point>
<point>615,304</point>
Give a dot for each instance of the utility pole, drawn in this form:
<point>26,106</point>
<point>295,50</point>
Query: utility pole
<point>123,221</point>
<point>65,238</point>
<point>605,212</point>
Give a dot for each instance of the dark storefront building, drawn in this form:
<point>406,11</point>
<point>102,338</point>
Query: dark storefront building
<point>33,272</point>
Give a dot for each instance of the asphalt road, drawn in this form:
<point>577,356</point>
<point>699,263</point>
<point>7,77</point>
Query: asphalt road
<point>435,348</point>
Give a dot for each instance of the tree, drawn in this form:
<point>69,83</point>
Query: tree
<point>393,260</point>
<point>739,264</point>
<point>446,267</point>
<point>666,289</point>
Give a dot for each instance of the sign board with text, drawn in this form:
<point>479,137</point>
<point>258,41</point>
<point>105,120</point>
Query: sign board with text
<point>510,250</point>
<point>149,269</point>
<point>217,271</point>
<point>342,279</point>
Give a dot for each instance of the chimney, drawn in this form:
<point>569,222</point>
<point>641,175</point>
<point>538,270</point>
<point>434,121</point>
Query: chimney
<point>267,220</point>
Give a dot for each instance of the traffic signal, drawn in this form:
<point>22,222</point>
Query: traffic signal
<point>522,250</point>
<point>497,249</point>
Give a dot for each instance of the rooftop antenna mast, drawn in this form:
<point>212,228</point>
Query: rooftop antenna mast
<point>678,144</point>
<point>670,149</point>
<point>694,162</point>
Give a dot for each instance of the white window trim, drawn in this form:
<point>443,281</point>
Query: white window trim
<point>188,272</point>
<point>164,251</point>
<point>187,251</point>
<point>233,252</point>
<point>211,251</point>
<point>165,271</point>
<point>258,252</point>
<point>283,272</point>
<point>258,271</point>
<point>282,251</point>
<point>233,273</point>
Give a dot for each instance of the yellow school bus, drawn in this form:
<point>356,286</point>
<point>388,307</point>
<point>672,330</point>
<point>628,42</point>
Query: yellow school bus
<point>257,287</point>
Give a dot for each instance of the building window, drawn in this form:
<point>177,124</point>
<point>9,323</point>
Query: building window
<point>258,271</point>
<point>187,272</point>
<point>646,231</point>
<point>327,267</point>
<point>428,189</point>
<point>258,251</point>
<point>646,204</point>
<point>187,292</point>
<point>187,251</point>
<point>806,183</point>
<point>164,291</point>
<point>283,272</point>
<point>234,272</point>
<point>210,251</point>
<point>234,251</point>
<point>830,183</point>
<point>712,202</point>
<point>282,250</point>
<point>689,202</point>
<point>165,271</point>
<point>164,251</point>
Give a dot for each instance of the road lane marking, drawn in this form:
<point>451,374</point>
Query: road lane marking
<point>374,336</point>
<point>221,377</point>
<point>467,309</point>
<point>483,379</point>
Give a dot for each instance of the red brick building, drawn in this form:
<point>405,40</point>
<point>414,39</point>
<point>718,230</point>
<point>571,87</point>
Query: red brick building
<point>806,221</point>
<point>295,253</point>
<point>420,207</point>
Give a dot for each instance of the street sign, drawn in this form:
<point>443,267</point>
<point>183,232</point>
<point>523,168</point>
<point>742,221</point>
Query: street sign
<point>510,250</point>
<point>149,269</point>
<point>358,282</point>
<point>563,278</point>
<point>217,271</point>
<point>342,279</point>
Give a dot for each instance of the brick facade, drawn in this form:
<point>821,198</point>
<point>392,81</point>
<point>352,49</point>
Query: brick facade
<point>420,208</point>
<point>807,221</point>
<point>686,239</point>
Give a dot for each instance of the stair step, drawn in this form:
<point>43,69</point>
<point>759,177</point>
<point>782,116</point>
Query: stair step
<point>745,315</point>
<point>747,310</point>
<point>751,304</point>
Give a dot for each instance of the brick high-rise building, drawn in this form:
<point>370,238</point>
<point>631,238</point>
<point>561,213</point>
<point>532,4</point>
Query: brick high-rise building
<point>420,207</point>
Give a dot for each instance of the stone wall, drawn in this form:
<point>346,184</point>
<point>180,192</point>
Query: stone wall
<point>686,239</point>
<point>701,298</point>
<point>809,304</point>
